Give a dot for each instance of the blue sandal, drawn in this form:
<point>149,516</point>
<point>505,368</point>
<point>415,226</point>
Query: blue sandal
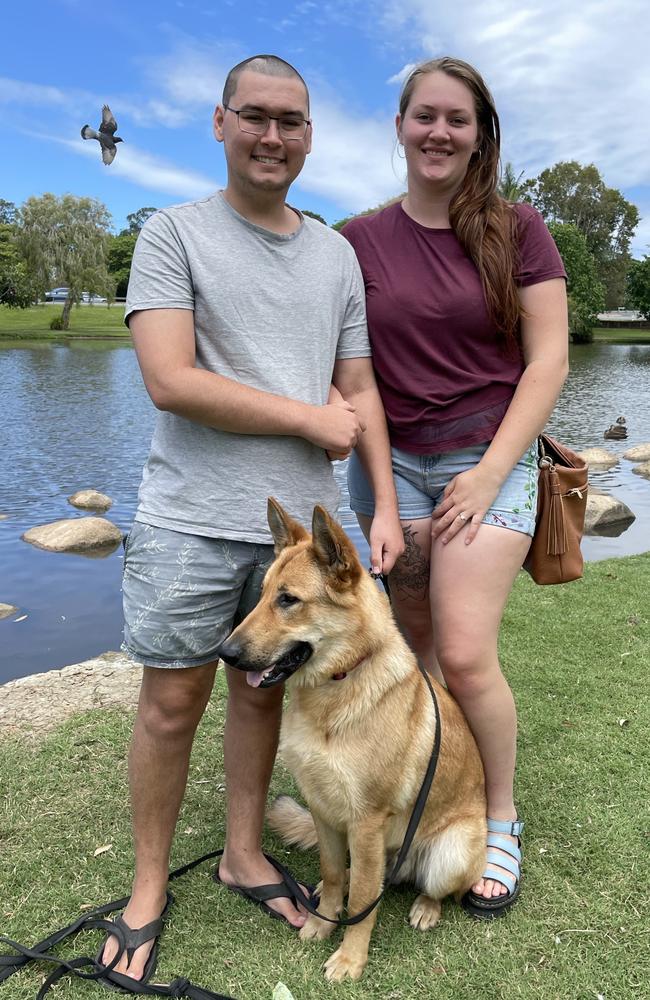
<point>508,872</point>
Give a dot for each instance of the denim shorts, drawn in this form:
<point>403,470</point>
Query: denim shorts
<point>183,594</point>
<point>421,479</point>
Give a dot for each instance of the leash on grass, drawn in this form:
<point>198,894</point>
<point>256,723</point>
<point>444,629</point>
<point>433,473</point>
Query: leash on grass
<point>95,920</point>
<point>181,987</point>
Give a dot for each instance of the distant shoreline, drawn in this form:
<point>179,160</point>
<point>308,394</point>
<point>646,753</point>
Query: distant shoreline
<point>100,322</point>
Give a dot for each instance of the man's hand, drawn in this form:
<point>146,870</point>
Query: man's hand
<point>334,427</point>
<point>386,542</point>
<point>335,398</point>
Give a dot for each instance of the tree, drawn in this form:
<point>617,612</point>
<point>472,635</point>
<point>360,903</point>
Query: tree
<point>314,215</point>
<point>64,241</point>
<point>15,288</point>
<point>368,211</point>
<point>120,254</point>
<point>136,220</point>
<point>7,212</point>
<point>510,185</point>
<point>572,193</point>
<point>638,286</point>
<point>585,290</point>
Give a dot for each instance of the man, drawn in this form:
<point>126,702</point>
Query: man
<point>242,312</point>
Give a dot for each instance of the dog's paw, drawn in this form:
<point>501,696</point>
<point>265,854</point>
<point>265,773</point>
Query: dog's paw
<point>342,965</point>
<point>425,913</point>
<point>315,930</point>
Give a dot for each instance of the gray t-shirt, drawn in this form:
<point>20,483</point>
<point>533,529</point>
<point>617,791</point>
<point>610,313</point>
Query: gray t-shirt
<point>270,311</point>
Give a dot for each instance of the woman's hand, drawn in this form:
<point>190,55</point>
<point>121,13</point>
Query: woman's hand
<point>465,500</point>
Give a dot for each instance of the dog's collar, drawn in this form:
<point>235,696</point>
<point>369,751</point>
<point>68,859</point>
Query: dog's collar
<point>344,673</point>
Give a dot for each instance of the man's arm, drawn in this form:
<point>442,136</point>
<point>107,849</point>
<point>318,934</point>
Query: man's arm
<point>165,345</point>
<point>355,380</point>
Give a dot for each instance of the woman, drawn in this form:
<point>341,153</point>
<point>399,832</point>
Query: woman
<point>467,314</point>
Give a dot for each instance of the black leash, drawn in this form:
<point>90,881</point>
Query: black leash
<point>181,987</point>
<point>93,920</point>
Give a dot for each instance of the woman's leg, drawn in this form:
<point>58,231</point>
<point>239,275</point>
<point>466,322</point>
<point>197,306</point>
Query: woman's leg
<point>470,585</point>
<point>409,590</point>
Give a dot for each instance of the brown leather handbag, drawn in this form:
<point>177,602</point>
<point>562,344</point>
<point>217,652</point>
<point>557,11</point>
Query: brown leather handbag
<point>554,555</point>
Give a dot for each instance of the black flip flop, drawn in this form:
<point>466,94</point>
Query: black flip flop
<point>259,894</point>
<point>133,938</point>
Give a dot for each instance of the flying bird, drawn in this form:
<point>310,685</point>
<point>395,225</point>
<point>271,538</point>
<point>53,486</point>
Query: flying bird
<point>106,135</point>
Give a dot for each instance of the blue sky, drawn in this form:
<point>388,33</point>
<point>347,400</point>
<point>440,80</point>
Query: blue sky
<point>571,81</point>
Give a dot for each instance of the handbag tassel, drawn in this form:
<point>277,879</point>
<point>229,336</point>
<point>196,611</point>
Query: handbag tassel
<point>556,543</point>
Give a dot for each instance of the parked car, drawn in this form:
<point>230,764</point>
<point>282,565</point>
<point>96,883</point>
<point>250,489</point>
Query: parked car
<point>61,294</point>
<point>56,295</point>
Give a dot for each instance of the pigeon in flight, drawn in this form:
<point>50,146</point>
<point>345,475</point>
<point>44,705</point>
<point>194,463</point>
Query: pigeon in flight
<point>106,135</point>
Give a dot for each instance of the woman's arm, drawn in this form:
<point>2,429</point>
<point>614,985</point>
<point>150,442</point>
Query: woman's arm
<point>545,339</point>
<point>355,380</point>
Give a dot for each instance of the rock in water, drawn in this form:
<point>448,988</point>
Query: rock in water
<point>599,456</point>
<point>642,470</point>
<point>604,511</point>
<point>82,534</point>
<point>638,453</point>
<point>90,500</point>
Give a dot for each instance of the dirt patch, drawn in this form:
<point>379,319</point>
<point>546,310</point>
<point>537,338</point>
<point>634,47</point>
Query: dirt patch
<point>31,706</point>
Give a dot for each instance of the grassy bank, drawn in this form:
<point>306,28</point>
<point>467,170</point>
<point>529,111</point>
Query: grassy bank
<point>101,321</point>
<point>576,657</point>
<point>609,335</point>
<point>85,321</point>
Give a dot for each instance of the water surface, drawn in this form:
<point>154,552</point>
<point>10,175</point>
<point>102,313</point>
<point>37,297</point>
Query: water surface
<point>77,416</point>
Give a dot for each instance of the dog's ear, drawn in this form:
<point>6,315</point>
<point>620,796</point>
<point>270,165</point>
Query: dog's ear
<point>284,529</point>
<point>333,548</point>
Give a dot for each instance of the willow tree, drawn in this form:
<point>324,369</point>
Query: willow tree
<point>64,241</point>
<point>15,288</point>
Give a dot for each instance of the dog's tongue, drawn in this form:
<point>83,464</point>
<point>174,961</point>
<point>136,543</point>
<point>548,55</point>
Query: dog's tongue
<point>255,677</point>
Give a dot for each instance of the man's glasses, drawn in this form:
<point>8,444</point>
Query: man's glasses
<point>256,122</point>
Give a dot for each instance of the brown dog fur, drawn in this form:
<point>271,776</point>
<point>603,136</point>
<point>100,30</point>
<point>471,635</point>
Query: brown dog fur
<point>359,745</point>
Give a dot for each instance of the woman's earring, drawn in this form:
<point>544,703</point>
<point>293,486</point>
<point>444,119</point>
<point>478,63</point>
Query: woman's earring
<point>401,155</point>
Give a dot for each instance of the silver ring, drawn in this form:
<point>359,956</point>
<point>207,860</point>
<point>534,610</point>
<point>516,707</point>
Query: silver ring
<point>463,517</point>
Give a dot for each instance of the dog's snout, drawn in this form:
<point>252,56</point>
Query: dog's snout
<point>230,652</point>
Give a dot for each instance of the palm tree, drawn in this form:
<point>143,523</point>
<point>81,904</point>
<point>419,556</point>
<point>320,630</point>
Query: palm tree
<point>510,186</point>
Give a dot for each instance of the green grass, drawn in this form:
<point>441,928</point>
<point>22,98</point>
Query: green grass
<point>85,321</point>
<point>609,335</point>
<point>577,658</point>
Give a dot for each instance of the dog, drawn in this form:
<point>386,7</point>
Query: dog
<point>357,735</point>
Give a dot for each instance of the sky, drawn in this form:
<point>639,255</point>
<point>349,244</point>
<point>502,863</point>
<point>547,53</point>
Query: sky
<point>571,80</point>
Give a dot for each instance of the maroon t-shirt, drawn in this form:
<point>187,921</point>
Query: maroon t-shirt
<point>444,377</point>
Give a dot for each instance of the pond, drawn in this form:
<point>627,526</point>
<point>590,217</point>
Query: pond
<point>76,415</point>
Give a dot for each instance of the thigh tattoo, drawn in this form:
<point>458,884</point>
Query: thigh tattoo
<point>410,574</point>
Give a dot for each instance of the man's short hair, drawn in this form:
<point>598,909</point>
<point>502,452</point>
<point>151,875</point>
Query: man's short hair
<point>266,64</point>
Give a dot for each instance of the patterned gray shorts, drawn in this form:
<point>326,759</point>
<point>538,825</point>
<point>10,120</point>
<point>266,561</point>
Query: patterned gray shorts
<point>183,594</point>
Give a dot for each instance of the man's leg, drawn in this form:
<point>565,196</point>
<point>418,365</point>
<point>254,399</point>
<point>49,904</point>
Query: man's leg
<point>170,707</point>
<point>250,744</point>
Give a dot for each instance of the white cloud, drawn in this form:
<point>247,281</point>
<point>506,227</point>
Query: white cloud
<point>570,81</point>
<point>20,92</point>
<point>86,106</point>
<point>351,159</point>
<point>151,172</point>
<point>403,73</point>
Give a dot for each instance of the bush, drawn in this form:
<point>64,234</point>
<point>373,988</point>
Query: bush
<point>56,323</point>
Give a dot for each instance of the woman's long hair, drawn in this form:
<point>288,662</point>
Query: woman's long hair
<point>485,224</point>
